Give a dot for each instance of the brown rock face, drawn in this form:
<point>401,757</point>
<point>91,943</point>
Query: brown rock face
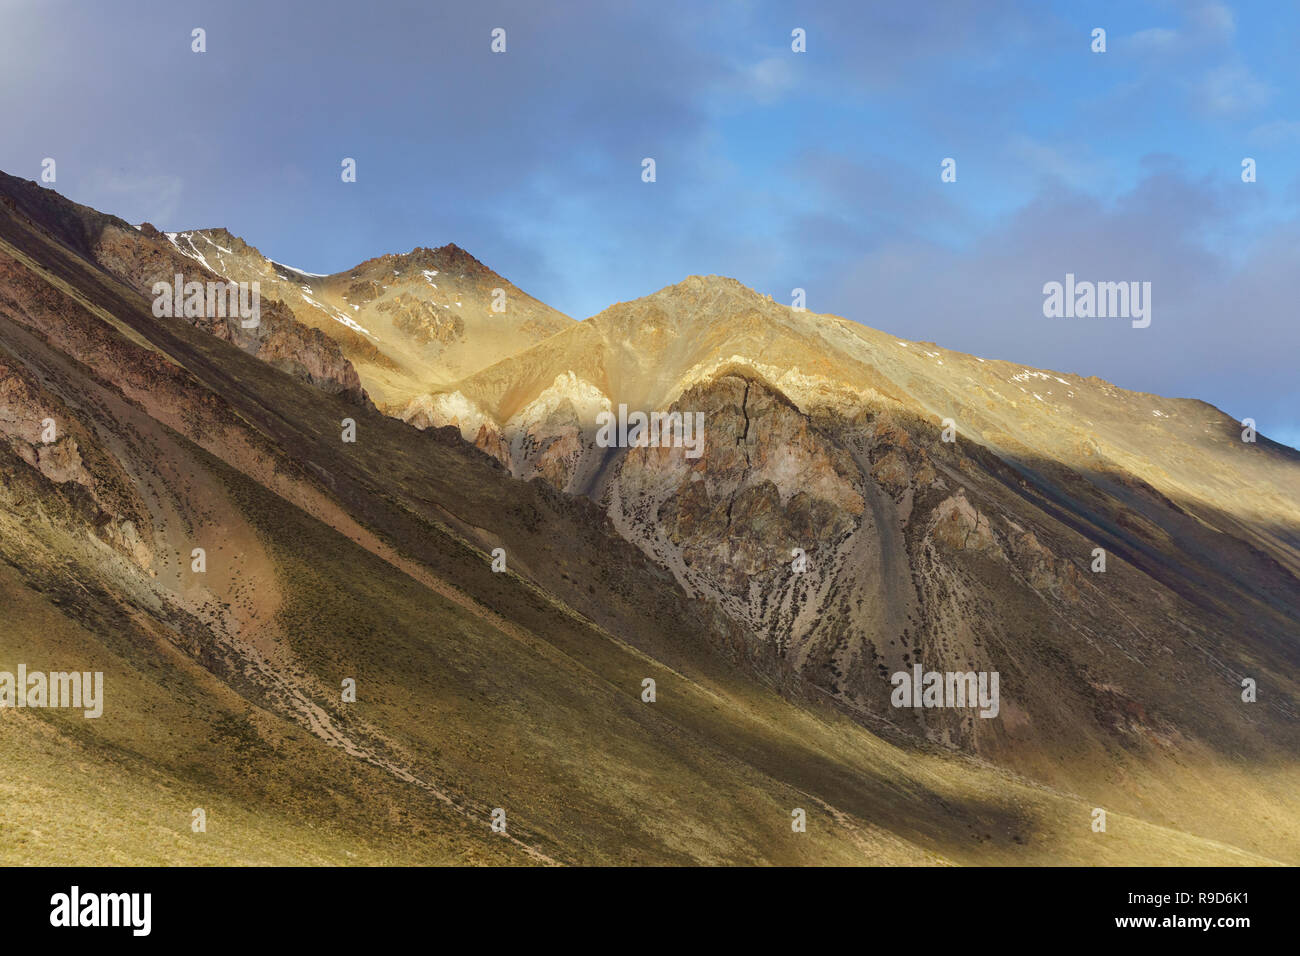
<point>43,434</point>
<point>279,338</point>
<point>365,291</point>
<point>765,483</point>
<point>422,320</point>
<point>892,470</point>
<point>1042,568</point>
<point>958,526</point>
<point>490,440</point>
<point>142,257</point>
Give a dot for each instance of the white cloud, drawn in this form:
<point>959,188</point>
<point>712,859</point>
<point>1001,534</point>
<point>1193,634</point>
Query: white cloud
<point>1233,89</point>
<point>770,79</point>
<point>1276,133</point>
<point>1154,40</point>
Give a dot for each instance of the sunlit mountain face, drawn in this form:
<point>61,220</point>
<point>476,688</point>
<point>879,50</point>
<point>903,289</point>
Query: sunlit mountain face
<point>401,565</point>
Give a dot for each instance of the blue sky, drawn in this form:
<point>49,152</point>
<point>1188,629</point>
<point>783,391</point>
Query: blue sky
<point>817,170</point>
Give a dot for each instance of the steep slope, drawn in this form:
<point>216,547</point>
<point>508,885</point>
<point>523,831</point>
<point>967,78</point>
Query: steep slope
<point>329,559</point>
<point>400,324</point>
<point>369,560</point>
<point>970,554</point>
<point>142,257</point>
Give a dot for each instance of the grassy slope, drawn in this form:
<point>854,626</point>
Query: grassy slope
<point>526,706</point>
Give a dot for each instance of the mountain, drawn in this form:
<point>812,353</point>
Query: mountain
<point>408,323</point>
<point>139,258</point>
<point>523,690</point>
<point>405,323</point>
<point>973,554</point>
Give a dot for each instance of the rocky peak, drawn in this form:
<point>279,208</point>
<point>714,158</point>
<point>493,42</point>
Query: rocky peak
<point>695,304</point>
<point>450,258</point>
<point>720,295</point>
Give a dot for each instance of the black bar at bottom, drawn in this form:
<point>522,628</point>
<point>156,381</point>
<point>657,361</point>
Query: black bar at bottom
<point>643,906</point>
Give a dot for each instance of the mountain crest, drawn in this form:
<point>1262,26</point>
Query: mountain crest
<point>448,258</point>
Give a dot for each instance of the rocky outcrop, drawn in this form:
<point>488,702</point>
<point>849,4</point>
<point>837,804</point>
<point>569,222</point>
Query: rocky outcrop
<point>40,431</point>
<point>278,339</point>
<point>1043,569</point>
<point>958,526</point>
<point>491,441</point>
<point>144,256</point>
<point>423,321</point>
<point>764,483</point>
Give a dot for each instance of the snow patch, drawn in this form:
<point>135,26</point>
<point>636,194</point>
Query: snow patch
<point>210,242</point>
<point>194,253</point>
<point>314,275</point>
<point>339,317</point>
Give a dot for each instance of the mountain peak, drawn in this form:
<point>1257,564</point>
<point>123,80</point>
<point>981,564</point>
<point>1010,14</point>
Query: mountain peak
<point>714,288</point>
<point>447,258</point>
<point>708,297</point>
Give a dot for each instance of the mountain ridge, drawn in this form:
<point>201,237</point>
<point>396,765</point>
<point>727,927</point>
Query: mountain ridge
<point>522,689</point>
